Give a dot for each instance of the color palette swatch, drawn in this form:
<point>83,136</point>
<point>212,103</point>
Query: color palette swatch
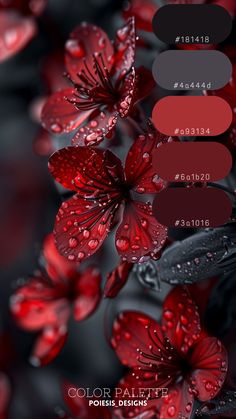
<point>192,161</point>
<point>192,24</point>
<point>192,70</point>
<point>192,207</point>
<point>179,114</point>
<point>192,115</point>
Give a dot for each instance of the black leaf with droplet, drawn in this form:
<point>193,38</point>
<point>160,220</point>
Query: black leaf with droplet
<point>208,253</point>
<point>225,403</point>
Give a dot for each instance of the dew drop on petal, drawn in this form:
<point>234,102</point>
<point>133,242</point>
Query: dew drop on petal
<point>168,314</point>
<point>86,234</point>
<point>122,33</point>
<point>81,255</point>
<point>75,48</point>
<point>122,244</point>
<point>146,157</point>
<point>10,37</point>
<point>94,123</point>
<point>57,128</point>
<point>92,244</point>
<point>73,242</point>
<point>171,411</point>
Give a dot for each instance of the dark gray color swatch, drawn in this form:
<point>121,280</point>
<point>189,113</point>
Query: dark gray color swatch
<point>192,70</point>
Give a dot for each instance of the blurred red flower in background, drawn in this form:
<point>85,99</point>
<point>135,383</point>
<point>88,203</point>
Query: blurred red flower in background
<point>103,187</point>
<point>17,24</point>
<point>177,355</point>
<point>44,303</point>
<point>105,84</point>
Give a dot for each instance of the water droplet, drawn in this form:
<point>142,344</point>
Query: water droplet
<point>86,234</point>
<point>57,128</point>
<point>81,255</point>
<point>71,257</point>
<point>184,320</point>
<point>196,261</point>
<point>94,123</point>
<point>146,157</point>
<point>127,335</point>
<point>188,407</point>
<point>92,244</point>
<point>75,48</point>
<point>122,244</point>
<point>102,42</point>
<point>144,223</point>
<point>140,189</point>
<point>122,33</point>
<point>168,314</point>
<point>171,411</point>
<point>73,242</point>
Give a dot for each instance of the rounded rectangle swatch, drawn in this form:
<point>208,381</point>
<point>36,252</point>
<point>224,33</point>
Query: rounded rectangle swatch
<point>192,23</point>
<point>192,207</point>
<point>192,161</point>
<point>192,115</point>
<point>192,70</point>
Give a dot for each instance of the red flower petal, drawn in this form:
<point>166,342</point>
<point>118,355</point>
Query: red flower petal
<point>37,304</point>
<point>132,334</point>
<point>180,319</point>
<point>79,406</point>
<point>142,11</point>
<point>85,41</point>
<point>100,125</point>
<point>5,394</point>
<point>124,49</point>
<point>57,266</point>
<point>82,226</point>
<point>48,345</point>
<point>127,94</point>
<point>209,361</point>
<point>88,290</point>
<point>91,172</point>
<point>140,173</point>
<point>15,33</point>
<point>178,403</point>
<point>59,115</point>
<point>139,235</point>
<point>117,279</point>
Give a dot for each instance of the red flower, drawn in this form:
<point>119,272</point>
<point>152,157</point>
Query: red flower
<point>17,26</point>
<point>106,84</point>
<point>176,355</point>
<point>103,189</point>
<point>79,406</point>
<point>43,304</point>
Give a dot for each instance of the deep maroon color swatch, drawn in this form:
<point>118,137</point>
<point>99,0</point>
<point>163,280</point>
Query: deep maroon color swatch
<point>192,115</point>
<point>192,207</point>
<point>192,161</point>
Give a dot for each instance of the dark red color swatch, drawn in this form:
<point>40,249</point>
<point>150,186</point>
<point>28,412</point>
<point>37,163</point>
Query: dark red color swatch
<point>192,161</point>
<point>192,207</point>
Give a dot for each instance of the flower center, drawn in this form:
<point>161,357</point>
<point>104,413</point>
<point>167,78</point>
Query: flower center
<point>96,87</point>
